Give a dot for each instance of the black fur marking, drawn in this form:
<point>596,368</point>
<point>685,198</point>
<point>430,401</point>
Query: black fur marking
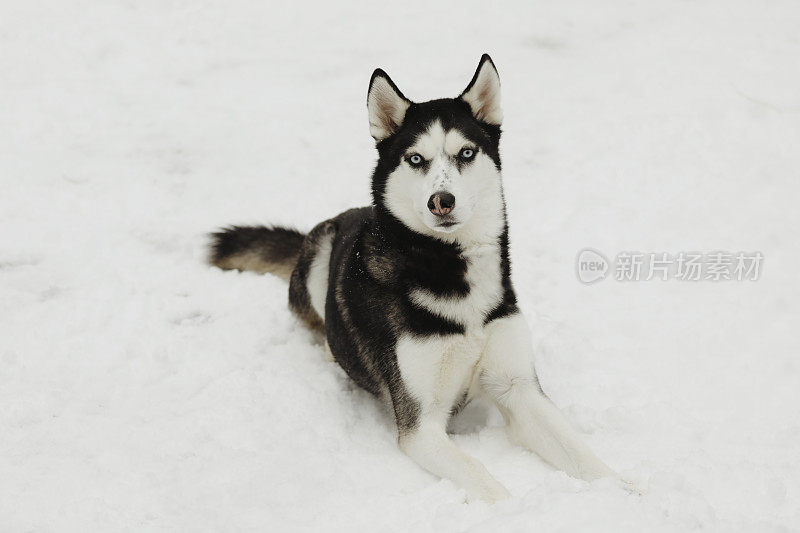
<point>424,323</point>
<point>508,305</point>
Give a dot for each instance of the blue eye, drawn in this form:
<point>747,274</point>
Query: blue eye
<point>415,160</point>
<point>467,153</point>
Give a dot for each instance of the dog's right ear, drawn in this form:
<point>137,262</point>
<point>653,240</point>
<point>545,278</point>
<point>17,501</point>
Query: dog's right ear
<point>386,106</point>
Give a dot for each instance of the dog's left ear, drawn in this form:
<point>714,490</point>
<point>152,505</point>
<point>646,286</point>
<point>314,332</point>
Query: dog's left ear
<point>483,93</point>
<point>386,106</point>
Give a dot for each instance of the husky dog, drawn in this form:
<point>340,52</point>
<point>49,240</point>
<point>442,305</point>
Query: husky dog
<point>413,294</point>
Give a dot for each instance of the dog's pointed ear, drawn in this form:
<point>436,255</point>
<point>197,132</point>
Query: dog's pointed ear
<point>483,93</point>
<point>386,106</point>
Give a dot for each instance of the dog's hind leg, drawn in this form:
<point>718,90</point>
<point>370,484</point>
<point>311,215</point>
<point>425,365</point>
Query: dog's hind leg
<point>308,287</point>
<point>533,421</point>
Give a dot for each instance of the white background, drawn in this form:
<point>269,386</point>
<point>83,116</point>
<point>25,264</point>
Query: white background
<point>141,390</point>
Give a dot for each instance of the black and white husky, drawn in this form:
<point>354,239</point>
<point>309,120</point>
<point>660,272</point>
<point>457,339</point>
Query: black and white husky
<point>413,294</point>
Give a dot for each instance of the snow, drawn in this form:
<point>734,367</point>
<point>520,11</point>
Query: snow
<point>145,391</point>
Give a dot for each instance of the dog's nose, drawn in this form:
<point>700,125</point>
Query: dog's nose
<point>440,203</point>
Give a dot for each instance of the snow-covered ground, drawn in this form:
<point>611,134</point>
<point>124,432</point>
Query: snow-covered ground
<point>141,390</point>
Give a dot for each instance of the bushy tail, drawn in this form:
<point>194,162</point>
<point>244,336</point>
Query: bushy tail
<point>257,248</point>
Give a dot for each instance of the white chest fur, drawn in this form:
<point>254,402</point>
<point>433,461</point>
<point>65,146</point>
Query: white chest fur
<point>438,369</point>
<point>485,289</point>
